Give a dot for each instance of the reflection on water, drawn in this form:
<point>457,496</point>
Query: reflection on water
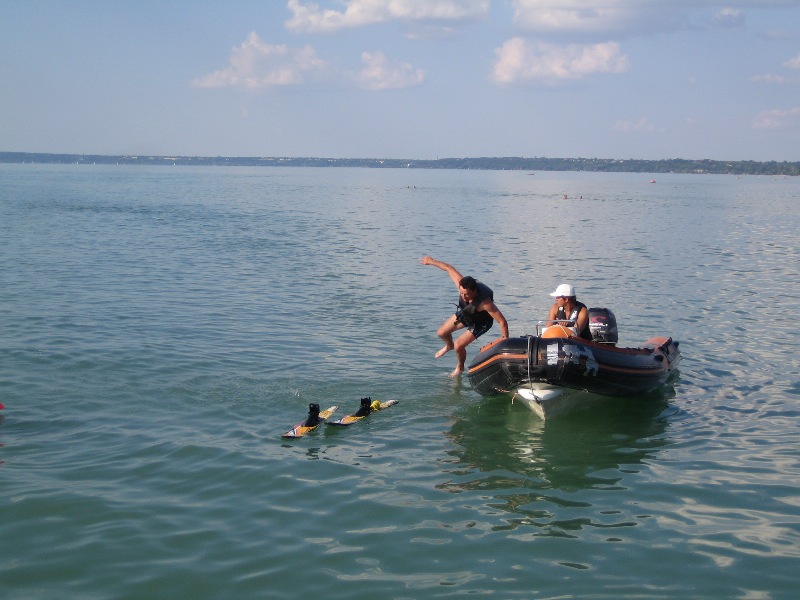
<point>162,328</point>
<point>530,469</point>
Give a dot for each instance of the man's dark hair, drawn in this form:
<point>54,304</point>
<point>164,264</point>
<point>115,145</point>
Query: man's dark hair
<point>468,283</point>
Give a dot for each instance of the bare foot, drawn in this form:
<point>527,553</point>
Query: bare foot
<point>443,351</point>
<point>456,372</point>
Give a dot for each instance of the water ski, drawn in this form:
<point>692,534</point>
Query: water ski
<point>368,406</point>
<point>315,419</point>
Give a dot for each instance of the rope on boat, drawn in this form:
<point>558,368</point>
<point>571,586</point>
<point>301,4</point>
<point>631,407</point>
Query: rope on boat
<point>530,363</point>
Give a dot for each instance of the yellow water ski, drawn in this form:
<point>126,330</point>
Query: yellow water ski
<point>368,406</point>
<point>315,419</point>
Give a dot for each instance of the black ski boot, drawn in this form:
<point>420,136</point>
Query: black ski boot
<point>313,415</point>
<point>365,408</point>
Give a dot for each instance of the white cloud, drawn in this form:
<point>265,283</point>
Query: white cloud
<point>379,73</point>
<point>776,34</point>
<point>522,60</point>
<point>604,17</point>
<point>775,118</point>
<point>793,63</point>
<point>256,64</point>
<point>728,17</point>
<point>309,18</point>
<point>642,125</point>
<point>768,78</point>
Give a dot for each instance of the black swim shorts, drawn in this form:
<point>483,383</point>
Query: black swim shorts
<point>480,328</point>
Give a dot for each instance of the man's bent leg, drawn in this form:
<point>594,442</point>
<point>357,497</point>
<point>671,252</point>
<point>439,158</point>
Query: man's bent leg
<point>461,351</point>
<point>446,333</point>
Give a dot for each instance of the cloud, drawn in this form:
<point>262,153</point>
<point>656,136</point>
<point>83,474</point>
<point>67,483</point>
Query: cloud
<point>590,17</point>
<point>380,73</point>
<point>642,125</point>
<point>728,17</point>
<point>522,60</point>
<point>309,18</point>
<point>776,34</point>
<point>256,64</point>
<point>793,63</point>
<point>768,78</point>
<point>775,118</point>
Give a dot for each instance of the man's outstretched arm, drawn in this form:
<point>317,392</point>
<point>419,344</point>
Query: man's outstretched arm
<point>449,269</point>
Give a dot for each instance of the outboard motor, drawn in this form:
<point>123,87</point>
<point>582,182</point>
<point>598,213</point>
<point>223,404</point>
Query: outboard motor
<point>603,326</point>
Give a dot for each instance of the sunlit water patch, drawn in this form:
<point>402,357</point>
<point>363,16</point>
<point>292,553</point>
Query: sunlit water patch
<point>161,327</point>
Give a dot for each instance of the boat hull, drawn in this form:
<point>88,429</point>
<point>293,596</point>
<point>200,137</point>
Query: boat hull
<point>550,402</point>
<point>571,372</point>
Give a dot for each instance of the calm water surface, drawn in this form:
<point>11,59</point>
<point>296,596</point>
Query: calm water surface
<point>161,327</point>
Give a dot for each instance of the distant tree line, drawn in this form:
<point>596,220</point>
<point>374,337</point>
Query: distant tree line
<point>674,165</point>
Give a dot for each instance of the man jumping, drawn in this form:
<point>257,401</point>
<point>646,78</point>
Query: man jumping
<point>476,312</point>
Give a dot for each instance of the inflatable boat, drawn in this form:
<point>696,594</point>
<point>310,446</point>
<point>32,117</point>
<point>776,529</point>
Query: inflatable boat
<point>555,372</point>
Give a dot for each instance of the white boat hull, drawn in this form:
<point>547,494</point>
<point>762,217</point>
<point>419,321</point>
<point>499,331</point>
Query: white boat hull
<point>549,402</point>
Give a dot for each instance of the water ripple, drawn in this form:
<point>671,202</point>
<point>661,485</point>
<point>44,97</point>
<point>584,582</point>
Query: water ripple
<point>163,327</point>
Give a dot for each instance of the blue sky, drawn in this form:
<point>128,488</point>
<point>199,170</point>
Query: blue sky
<point>425,79</point>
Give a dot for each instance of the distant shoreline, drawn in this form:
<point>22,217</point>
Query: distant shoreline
<point>705,166</point>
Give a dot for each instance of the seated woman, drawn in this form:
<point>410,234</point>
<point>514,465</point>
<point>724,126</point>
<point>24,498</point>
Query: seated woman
<point>571,317</point>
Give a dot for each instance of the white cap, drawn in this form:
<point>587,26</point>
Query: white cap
<point>564,289</point>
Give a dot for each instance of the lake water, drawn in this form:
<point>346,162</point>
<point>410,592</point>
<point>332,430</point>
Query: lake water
<point>162,326</point>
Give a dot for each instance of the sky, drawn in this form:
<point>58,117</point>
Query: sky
<point>419,79</point>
